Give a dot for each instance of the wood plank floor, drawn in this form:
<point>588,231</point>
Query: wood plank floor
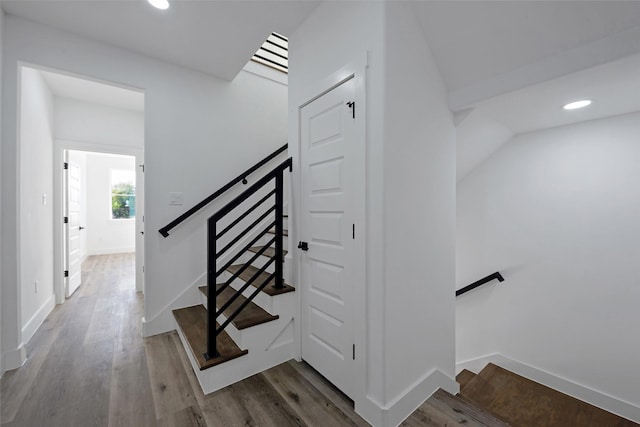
<point>89,366</point>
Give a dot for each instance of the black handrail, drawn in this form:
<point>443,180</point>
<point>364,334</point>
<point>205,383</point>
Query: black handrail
<point>240,178</point>
<point>277,209</point>
<point>495,276</point>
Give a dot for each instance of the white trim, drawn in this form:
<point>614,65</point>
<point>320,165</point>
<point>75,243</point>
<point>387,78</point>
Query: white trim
<point>60,145</point>
<point>357,70</point>
<point>80,76</point>
<point>108,251</point>
<point>266,73</point>
<point>13,359</point>
<point>395,412</point>
<point>597,398</point>
<point>32,325</point>
<point>164,320</point>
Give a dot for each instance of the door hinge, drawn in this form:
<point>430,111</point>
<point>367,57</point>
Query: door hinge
<point>141,166</point>
<point>66,273</point>
<point>353,235</point>
<point>65,165</point>
<point>303,245</point>
<point>352,105</point>
<point>65,220</point>
<point>354,352</point>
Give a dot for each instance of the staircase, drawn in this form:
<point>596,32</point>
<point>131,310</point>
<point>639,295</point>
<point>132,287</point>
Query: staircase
<point>498,397</point>
<point>244,324</point>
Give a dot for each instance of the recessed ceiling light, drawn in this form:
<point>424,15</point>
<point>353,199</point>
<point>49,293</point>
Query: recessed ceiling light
<point>577,104</point>
<point>159,4</point>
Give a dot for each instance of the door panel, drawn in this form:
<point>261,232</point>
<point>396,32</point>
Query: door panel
<point>330,266</point>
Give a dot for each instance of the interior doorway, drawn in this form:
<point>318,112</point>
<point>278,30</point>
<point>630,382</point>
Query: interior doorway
<point>60,113</point>
<point>101,200</point>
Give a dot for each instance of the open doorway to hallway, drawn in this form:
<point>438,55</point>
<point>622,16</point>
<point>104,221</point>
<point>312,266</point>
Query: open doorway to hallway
<point>96,130</point>
<point>100,208</point>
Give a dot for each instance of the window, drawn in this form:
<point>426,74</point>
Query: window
<point>123,194</point>
<point>274,53</point>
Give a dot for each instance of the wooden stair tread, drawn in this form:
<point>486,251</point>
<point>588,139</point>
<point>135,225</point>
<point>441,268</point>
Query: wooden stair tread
<point>193,323</point>
<point>464,377</point>
<point>522,402</point>
<point>251,315</point>
<point>269,252</point>
<point>443,409</point>
<point>269,289</point>
<point>284,232</point>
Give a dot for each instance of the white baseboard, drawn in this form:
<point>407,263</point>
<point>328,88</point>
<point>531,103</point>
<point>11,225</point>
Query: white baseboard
<point>109,251</point>
<point>30,328</point>
<point>13,359</point>
<point>164,321</point>
<point>396,411</point>
<point>597,398</point>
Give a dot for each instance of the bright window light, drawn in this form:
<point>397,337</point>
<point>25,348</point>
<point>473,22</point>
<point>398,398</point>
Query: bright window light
<point>577,104</point>
<point>159,4</point>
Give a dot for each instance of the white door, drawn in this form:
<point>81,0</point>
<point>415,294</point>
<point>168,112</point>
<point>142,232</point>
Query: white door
<point>332,207</point>
<point>72,238</point>
<point>140,224</point>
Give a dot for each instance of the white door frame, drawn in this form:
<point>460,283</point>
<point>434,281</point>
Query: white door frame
<point>355,70</point>
<point>58,208</point>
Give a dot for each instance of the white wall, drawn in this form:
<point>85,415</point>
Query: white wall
<point>97,124</point>
<point>36,201</point>
<point>419,209</point>
<point>199,133</point>
<point>556,212</point>
<point>408,314</point>
<point>106,235</point>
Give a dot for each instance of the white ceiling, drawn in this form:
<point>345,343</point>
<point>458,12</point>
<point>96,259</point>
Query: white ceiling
<point>484,48</point>
<point>82,89</point>
<point>614,89</point>
<point>509,65</point>
<point>215,37</point>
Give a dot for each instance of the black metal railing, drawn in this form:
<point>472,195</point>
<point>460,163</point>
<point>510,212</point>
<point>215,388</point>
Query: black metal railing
<point>495,276</point>
<point>240,178</point>
<point>213,253</point>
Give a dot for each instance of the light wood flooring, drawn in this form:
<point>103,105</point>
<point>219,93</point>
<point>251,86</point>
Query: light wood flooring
<point>89,366</point>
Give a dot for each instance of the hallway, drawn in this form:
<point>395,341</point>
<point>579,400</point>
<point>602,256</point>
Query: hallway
<point>88,365</point>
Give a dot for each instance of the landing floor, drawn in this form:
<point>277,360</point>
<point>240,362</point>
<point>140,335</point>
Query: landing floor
<point>89,366</point>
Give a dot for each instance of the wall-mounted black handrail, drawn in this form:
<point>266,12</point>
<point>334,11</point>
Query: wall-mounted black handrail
<point>240,178</point>
<point>495,276</point>
<point>277,210</point>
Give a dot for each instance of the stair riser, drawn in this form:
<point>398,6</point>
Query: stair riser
<point>234,333</point>
<point>266,302</point>
<point>269,344</point>
<point>247,337</point>
<point>262,260</point>
<point>267,237</point>
<point>258,263</point>
<point>235,370</point>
